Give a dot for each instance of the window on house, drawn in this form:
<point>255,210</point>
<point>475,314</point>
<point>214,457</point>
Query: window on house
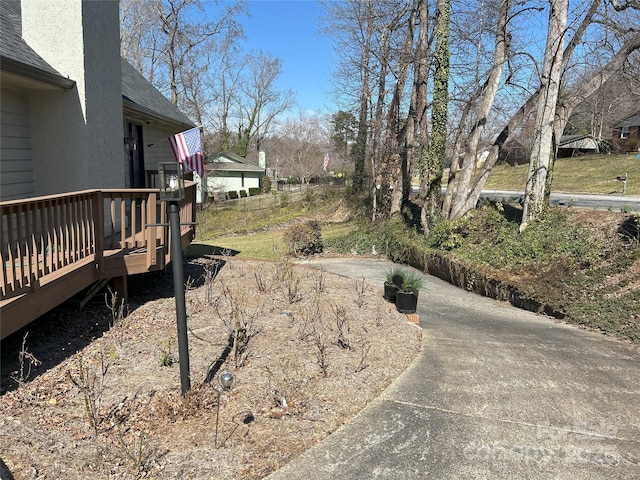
<point>624,133</point>
<point>243,178</point>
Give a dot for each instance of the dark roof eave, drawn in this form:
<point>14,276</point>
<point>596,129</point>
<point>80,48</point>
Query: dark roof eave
<point>134,107</point>
<point>11,65</point>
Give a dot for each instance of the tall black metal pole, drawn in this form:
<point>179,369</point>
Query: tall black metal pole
<point>178,292</point>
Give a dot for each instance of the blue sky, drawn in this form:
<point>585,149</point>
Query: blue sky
<point>289,30</point>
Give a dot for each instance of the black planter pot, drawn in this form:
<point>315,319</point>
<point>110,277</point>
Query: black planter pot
<point>390,292</point>
<point>406,302</point>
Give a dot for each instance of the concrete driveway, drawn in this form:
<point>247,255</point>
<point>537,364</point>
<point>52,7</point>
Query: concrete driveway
<point>496,392</point>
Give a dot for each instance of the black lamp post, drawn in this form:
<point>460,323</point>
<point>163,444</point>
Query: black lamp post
<point>172,191</point>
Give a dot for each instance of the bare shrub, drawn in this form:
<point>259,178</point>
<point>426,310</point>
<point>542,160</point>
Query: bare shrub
<point>292,287</point>
<point>311,316</point>
<point>360,288</point>
<point>26,362</point>
<point>286,386</point>
<point>322,348</point>
<point>116,306</point>
<point>209,275</point>
<point>90,381</point>
<point>119,312</point>
<point>344,329</point>
<point>134,447</point>
<point>320,281</point>
<point>364,354</point>
<point>131,445</point>
<point>303,239</point>
<point>261,284</point>
<point>378,318</point>
<point>282,269</point>
<point>244,331</point>
<point>241,324</point>
<point>191,294</point>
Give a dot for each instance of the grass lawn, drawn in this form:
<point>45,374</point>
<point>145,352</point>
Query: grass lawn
<point>259,246</point>
<point>249,235</point>
<point>594,174</point>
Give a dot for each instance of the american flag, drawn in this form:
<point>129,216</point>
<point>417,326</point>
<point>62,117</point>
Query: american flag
<point>326,161</point>
<point>187,148</point>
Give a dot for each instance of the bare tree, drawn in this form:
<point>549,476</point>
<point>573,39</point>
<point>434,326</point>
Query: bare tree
<point>262,102</point>
<point>390,158</point>
<point>164,39</point>
<point>139,36</point>
<point>183,36</point>
<point>358,30</point>
<point>466,195</point>
<point>416,132</point>
<point>475,113</point>
<point>229,79</point>
<point>301,146</point>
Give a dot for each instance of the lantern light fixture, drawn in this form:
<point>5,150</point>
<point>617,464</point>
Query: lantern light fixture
<point>171,181</point>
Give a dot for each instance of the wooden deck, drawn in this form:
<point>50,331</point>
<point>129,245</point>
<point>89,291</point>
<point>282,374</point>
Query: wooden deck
<point>55,246</point>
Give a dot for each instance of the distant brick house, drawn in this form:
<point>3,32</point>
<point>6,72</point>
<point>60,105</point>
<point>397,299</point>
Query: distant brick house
<point>626,134</point>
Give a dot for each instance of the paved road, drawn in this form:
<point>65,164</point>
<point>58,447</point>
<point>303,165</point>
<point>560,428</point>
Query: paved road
<point>496,393</point>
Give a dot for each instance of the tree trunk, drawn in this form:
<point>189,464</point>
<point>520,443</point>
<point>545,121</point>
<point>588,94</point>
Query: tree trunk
<point>379,154</point>
<point>467,198</point>
<point>432,158</point>
<point>416,131</point>
<point>544,141</point>
<point>394,171</point>
<point>359,149</point>
<point>467,145</point>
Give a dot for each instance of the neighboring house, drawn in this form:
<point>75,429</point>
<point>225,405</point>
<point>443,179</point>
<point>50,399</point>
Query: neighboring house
<point>516,153</point>
<point>228,172</point>
<point>626,134</point>
<point>572,145</point>
<point>78,127</point>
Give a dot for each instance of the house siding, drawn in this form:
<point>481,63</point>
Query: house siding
<point>16,155</point>
<point>232,182</point>
<point>77,134</point>
<point>159,149</point>
<point>155,147</point>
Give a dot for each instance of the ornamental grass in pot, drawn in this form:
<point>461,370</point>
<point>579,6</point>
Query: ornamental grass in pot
<point>407,294</point>
<point>392,283</point>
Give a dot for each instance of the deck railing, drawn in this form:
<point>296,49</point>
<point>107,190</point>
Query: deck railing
<point>44,237</point>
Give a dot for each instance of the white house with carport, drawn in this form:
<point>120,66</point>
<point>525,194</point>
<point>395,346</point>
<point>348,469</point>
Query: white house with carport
<point>229,172</point>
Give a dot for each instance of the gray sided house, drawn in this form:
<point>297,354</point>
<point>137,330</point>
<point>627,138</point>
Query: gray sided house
<point>81,135</point>
<point>227,172</point>
<point>74,114</point>
<point>149,120</point>
<point>626,134</point>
